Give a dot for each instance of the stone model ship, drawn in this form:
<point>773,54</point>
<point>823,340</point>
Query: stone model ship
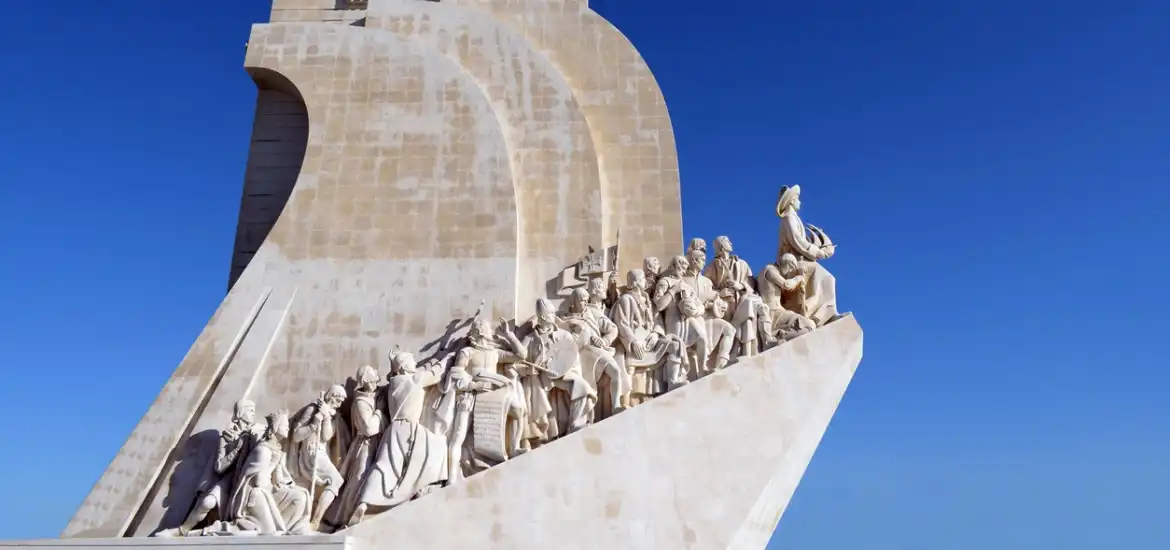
<point>481,196</point>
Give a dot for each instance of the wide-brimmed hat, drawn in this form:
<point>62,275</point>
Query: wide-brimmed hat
<point>788,195</point>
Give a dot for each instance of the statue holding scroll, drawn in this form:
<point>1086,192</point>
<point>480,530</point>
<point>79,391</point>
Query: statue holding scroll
<point>490,408</point>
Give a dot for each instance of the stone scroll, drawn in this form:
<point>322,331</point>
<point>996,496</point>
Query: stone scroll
<point>488,423</point>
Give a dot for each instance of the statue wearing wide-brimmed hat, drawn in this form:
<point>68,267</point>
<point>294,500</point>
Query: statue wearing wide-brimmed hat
<point>808,244</point>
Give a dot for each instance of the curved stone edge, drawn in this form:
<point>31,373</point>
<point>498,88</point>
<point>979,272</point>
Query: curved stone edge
<point>627,116</point>
<point>709,466</point>
<point>556,174</point>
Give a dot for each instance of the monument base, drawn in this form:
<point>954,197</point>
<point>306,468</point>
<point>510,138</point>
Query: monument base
<point>711,465</point>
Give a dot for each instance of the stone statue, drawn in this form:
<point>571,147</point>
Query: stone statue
<point>808,245</point>
<point>215,485</point>
<point>697,245</point>
<point>733,281</point>
<point>651,268</point>
<point>367,421</point>
<point>595,334</point>
<point>721,337</point>
<point>782,290</point>
<point>692,275</point>
<point>560,400</point>
<point>411,460</point>
<point>613,289</point>
<point>318,443</point>
<point>641,344</point>
<point>596,292</point>
<point>687,334</point>
<point>478,370</point>
<point>704,291</point>
<point>266,500</point>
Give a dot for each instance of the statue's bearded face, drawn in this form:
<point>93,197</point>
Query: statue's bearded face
<point>546,320</point>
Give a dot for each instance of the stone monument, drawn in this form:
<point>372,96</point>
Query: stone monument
<point>460,314</point>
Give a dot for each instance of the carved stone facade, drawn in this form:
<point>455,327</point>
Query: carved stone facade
<point>459,242</point>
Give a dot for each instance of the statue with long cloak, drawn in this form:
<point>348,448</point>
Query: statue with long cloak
<point>411,459</point>
<point>808,244</point>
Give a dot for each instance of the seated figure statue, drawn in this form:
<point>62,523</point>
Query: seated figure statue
<point>641,345</point>
<point>479,369</point>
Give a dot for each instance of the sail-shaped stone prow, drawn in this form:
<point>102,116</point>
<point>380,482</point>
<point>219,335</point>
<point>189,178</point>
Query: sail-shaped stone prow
<point>705,467</point>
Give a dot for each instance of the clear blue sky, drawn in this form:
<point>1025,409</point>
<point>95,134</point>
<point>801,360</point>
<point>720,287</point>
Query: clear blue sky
<point>996,173</point>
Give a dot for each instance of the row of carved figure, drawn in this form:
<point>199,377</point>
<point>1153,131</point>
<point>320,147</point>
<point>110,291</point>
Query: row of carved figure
<point>505,390</point>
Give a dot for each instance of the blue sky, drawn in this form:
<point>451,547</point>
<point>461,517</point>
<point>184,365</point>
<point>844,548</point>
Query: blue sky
<point>996,173</point>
